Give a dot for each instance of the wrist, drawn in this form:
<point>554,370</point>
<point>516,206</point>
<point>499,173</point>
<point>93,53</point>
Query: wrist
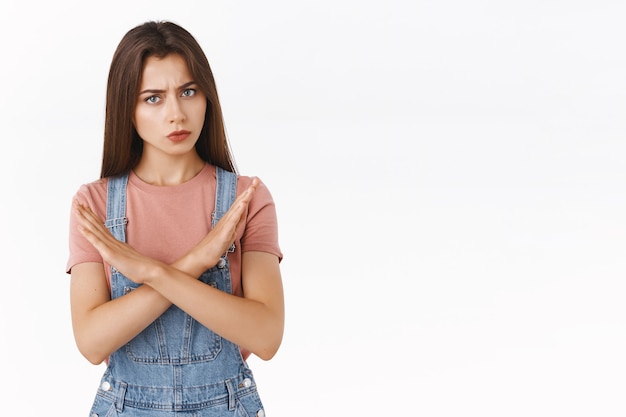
<point>196,262</point>
<point>155,273</point>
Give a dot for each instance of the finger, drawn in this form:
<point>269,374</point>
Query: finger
<point>231,219</point>
<point>237,210</point>
<point>95,241</point>
<point>242,219</point>
<point>88,219</point>
<point>90,223</point>
<point>84,217</point>
<point>240,205</point>
<point>247,194</point>
<point>85,213</point>
<point>236,214</point>
<point>244,197</point>
<point>105,243</point>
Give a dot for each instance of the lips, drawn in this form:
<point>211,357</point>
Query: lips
<point>178,136</point>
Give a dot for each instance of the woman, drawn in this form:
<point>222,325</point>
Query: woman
<point>174,259</point>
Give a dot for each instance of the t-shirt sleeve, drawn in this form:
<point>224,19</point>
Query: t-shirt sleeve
<point>261,232</point>
<point>80,250</point>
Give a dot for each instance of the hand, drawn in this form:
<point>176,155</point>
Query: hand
<point>124,258</point>
<point>222,236</point>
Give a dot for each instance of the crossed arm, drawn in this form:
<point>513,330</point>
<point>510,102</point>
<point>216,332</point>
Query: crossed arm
<point>255,321</point>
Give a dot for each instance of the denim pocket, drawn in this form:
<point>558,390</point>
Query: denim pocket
<point>103,408</point>
<point>173,338</point>
<point>250,406</point>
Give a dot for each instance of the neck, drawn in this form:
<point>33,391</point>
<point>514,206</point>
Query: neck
<point>173,171</point>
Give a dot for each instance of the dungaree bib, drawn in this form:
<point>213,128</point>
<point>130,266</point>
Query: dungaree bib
<point>176,366</point>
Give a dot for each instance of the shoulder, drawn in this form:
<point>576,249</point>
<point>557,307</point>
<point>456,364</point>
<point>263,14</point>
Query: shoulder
<point>262,193</point>
<point>93,189</point>
<point>93,194</point>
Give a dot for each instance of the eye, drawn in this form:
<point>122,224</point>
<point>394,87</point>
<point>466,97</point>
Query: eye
<point>189,92</point>
<point>152,99</point>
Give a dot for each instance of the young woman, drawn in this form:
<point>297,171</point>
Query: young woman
<point>174,258</point>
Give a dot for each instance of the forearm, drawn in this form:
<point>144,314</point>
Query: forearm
<point>195,262</point>
<point>252,324</point>
<point>103,327</point>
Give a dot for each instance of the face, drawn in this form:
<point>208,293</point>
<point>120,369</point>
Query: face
<point>170,110</point>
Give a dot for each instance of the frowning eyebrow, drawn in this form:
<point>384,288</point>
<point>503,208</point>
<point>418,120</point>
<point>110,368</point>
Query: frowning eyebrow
<point>151,91</point>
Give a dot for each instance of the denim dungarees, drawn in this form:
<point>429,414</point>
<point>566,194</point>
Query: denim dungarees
<point>176,366</point>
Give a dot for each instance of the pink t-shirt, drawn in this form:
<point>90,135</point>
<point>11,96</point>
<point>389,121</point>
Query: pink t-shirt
<point>165,222</point>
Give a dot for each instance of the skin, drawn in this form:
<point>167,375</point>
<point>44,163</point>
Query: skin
<point>168,102</point>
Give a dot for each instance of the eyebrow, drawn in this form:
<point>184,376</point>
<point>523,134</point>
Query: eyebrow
<point>151,91</point>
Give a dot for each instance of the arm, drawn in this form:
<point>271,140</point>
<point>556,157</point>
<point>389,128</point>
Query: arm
<point>96,330</point>
<point>102,325</point>
<point>96,322</point>
<point>254,322</point>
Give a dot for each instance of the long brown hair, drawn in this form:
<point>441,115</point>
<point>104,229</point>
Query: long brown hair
<point>122,145</point>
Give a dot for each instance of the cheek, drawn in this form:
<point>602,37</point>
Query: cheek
<point>141,120</point>
<point>202,112</point>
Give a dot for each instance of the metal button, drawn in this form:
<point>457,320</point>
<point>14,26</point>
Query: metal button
<point>260,413</point>
<point>94,415</point>
<point>247,382</point>
<point>105,386</point>
<point>221,263</point>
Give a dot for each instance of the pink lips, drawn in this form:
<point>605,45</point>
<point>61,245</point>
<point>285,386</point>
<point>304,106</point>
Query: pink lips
<point>178,136</point>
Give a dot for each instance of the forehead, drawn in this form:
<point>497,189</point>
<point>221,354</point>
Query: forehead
<point>160,72</point>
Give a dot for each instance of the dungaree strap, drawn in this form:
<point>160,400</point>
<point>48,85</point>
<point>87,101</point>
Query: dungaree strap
<point>161,372</point>
<point>116,207</point>
<point>225,193</point>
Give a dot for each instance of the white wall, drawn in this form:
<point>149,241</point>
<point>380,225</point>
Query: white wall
<point>450,184</point>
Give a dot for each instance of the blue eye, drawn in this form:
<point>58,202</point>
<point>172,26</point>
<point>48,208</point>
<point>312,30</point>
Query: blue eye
<point>152,99</point>
<point>189,92</point>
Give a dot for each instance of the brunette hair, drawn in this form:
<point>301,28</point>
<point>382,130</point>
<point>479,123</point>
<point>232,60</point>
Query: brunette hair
<point>122,145</point>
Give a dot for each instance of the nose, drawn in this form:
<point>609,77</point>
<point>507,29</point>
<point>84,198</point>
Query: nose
<point>175,112</point>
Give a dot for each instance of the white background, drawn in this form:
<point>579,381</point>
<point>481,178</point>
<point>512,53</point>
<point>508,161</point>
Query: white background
<point>449,178</point>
